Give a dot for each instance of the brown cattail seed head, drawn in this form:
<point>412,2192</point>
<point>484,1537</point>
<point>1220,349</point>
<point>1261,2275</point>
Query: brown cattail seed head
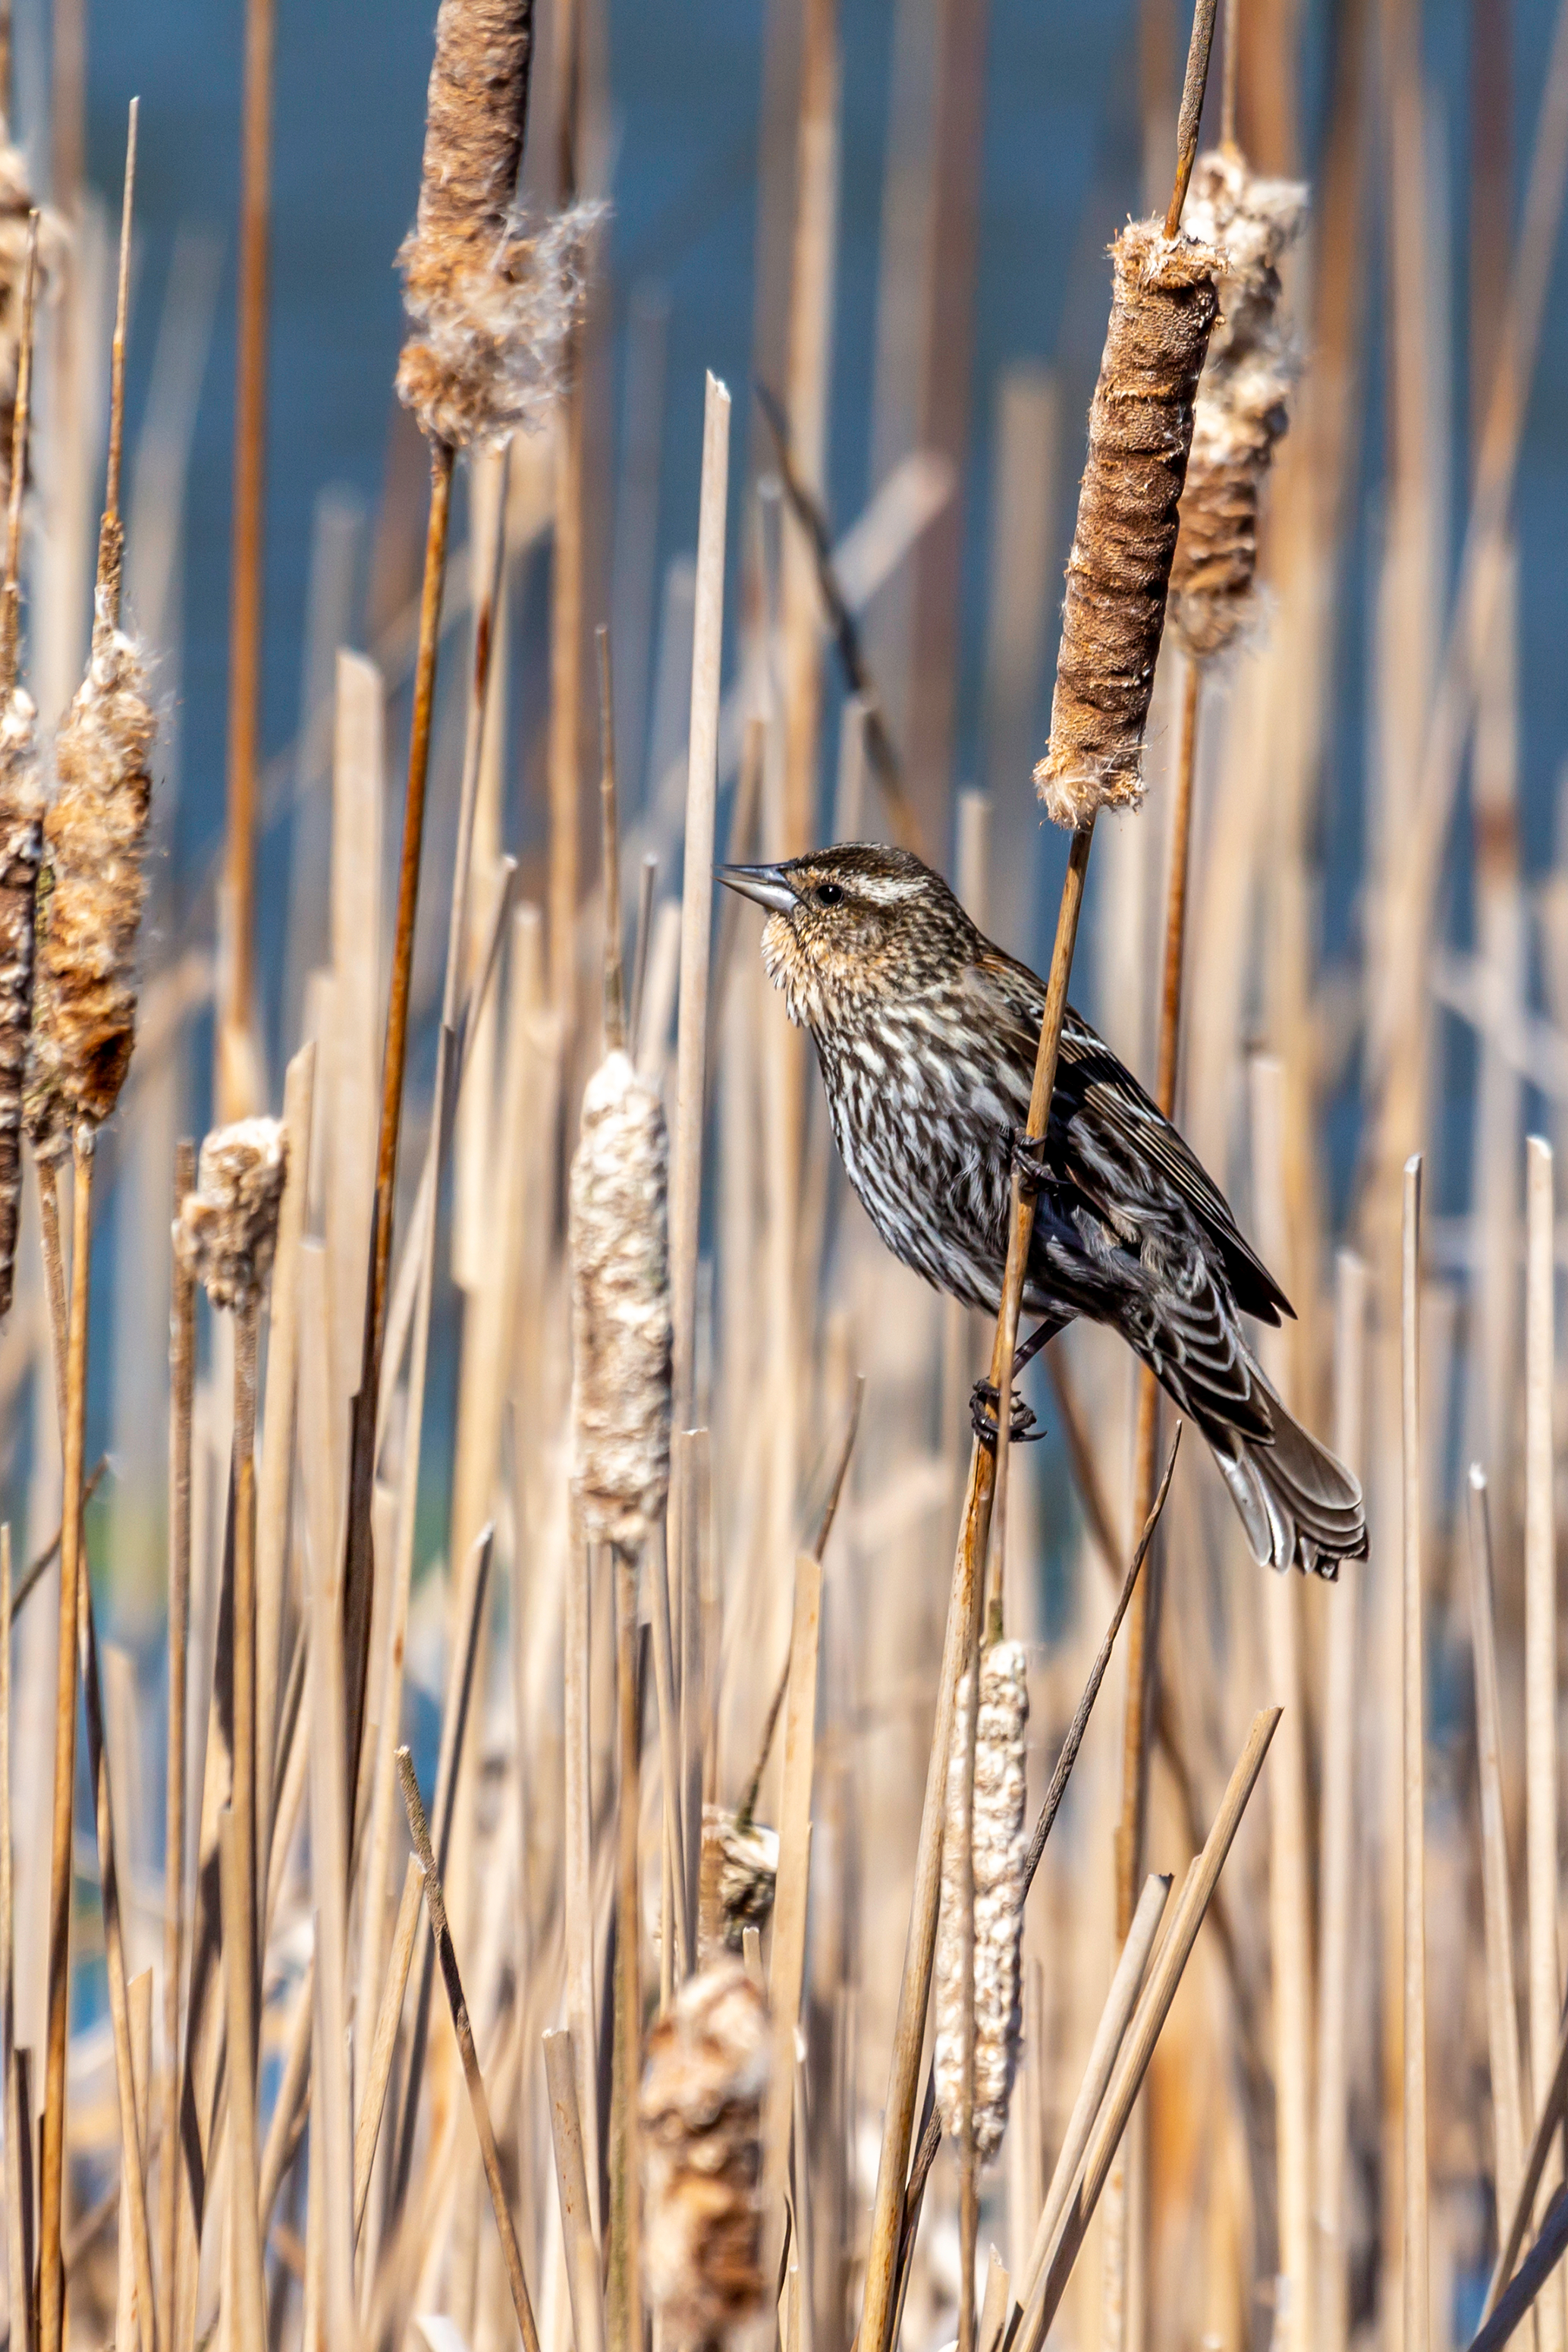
<point>736,1882</point>
<point>21,844</point>
<point>492,299</point>
<point>701,2110</point>
<point>227,1227</point>
<point>618,1251</point>
<point>1000,1851</point>
<point>1243,398</point>
<point>1140,426</point>
<point>84,1024</point>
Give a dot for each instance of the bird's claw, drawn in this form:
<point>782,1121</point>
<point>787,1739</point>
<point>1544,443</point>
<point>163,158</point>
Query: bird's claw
<point>1022,1430</point>
<point>1027,1153</point>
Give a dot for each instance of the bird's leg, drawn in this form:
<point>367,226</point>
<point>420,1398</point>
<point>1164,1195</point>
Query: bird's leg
<point>1027,1155</point>
<point>983,1395</point>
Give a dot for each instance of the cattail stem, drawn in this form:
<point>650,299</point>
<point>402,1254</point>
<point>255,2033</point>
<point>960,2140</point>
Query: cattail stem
<point>623,2315</point>
<point>242,2056</point>
<point>19,2283</point>
<point>1330,2296</point>
<point>358,1565</point>
<point>1142,1625</point>
<point>51,2270</point>
<point>1191,115</point>
<point>236,1054</point>
<point>436,1907</point>
<point>571,2189</point>
<point>898,2122</point>
<point>614,981</point>
<point>181,1400</point>
<point>248,2318</point>
<point>1417,2292</point>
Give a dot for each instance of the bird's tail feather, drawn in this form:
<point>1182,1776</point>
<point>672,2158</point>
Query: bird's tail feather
<point>1297,1503</point>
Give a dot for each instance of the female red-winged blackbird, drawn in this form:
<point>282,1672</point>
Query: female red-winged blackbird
<point>925,1034</point>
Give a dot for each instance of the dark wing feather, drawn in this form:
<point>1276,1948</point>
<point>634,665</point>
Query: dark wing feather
<point>1090,1082</point>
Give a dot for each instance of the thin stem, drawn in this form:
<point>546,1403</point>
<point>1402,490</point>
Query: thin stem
<point>624,2315</point>
<point>181,1400</point>
<point>436,1906</point>
<point>111,530</point>
<point>236,1012</point>
<point>51,2273</point>
<point>1229,62</point>
<point>1191,114</point>
<point>914,1987</point>
<point>614,981</point>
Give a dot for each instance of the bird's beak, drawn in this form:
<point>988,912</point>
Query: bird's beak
<point>769,885</point>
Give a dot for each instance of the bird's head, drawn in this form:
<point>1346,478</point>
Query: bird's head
<point>849,926</point>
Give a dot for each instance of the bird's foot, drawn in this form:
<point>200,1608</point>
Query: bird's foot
<point>1022,1430</point>
<point>1027,1153</point>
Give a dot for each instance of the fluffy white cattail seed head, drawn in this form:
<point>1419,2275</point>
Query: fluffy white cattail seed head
<point>1243,397</point>
<point>618,1251</point>
<point>999,1852</point>
<point>492,297</point>
<point>735,1882</point>
<point>227,1227</point>
<point>700,2111</point>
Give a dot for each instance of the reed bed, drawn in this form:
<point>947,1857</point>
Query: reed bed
<point>627,1823</point>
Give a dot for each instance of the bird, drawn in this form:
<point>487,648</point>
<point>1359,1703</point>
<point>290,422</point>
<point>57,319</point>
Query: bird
<point>925,1033</point>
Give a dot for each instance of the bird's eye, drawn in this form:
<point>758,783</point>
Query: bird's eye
<point>829,894</point>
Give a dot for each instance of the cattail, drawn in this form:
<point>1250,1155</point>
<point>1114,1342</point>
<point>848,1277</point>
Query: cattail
<point>492,298</point>
<point>90,897</point>
<point>999,1849</point>
<point>736,1882</point>
<point>1140,427</point>
<point>619,1248</point>
<point>227,1227</point>
<point>701,2110</point>
<point>21,844</point>
<point>1243,397</point>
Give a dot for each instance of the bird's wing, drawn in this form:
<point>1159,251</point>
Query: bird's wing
<point>1134,1152</point>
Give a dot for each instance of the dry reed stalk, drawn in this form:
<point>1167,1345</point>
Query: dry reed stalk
<point>19,2268</point>
<point>1540,1652</point>
<point>624,2312</point>
<point>227,1235</point>
<point>707,2075</point>
<point>181,1395</point>
<point>787,1967</point>
<point>696,903</point>
<point>1142,1630</point>
<point>1025,2330</point>
<point>440,1933</point>
<point>809,342</point>
<point>331,2184</point>
<point>1289,1899</point>
<point>693,1483</point>
<point>247,2314</point>
<point>571,2190</point>
<point>1415,2266</point>
<point>467,1627</point>
<point>21,808</point>
<point>127,2308</point>
<point>272,1498</point>
<point>1152,2009</point>
<point>1337,1863</point>
<point>288,2120</point>
<point>377,2066</point>
<point>84,1026</point>
<point>238,1087</point>
<point>577,1891</point>
<point>1542,2140</point>
<point>1503,2013</point>
<point>1242,405</point>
